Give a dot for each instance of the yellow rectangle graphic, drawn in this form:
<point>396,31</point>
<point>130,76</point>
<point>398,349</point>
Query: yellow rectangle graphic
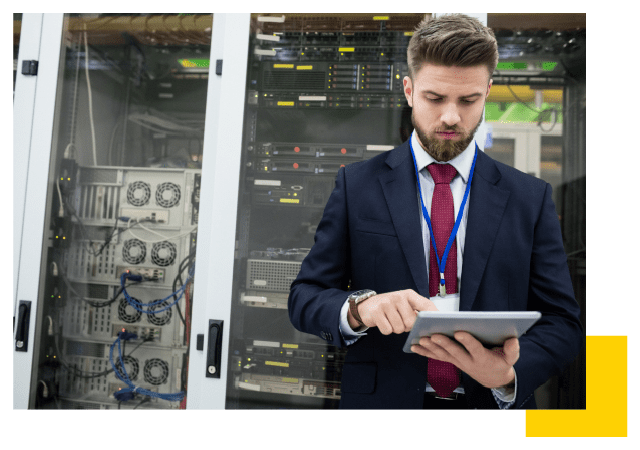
<point>276,363</point>
<point>286,103</point>
<point>290,380</point>
<point>290,345</point>
<point>289,200</point>
<point>304,68</point>
<point>283,66</point>
<point>347,49</point>
<point>408,33</point>
<point>380,17</point>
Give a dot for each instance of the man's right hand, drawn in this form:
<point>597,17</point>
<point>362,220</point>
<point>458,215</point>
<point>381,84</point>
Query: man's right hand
<point>392,312</point>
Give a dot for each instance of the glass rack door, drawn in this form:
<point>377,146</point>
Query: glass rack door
<point>120,231</point>
<point>323,90</point>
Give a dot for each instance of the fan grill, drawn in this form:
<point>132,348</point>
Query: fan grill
<point>134,251</point>
<point>156,371</point>
<point>138,193</point>
<point>131,365</point>
<point>163,253</point>
<point>162,318</point>
<point>128,313</point>
<point>168,195</point>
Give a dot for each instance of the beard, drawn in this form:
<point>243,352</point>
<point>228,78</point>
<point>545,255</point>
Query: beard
<point>444,150</point>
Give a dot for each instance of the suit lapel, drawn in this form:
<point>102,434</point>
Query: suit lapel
<point>399,187</point>
<point>487,203</point>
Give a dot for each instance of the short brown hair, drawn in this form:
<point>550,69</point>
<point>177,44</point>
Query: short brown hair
<point>452,40</point>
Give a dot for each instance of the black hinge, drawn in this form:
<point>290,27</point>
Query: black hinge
<point>30,67</point>
<point>218,67</point>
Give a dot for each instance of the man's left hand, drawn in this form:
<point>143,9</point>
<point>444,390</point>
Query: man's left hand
<point>493,368</point>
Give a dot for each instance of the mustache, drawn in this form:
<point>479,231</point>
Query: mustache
<point>446,128</point>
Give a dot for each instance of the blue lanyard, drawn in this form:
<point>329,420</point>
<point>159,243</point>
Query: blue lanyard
<point>442,263</point>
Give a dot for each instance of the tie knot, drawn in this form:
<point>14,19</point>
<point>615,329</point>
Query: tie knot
<point>442,173</point>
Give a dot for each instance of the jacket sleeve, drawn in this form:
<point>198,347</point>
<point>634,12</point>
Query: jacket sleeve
<point>556,339</point>
<point>321,288</point>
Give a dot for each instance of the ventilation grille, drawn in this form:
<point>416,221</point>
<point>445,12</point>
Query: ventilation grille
<point>138,193</point>
<point>131,365</point>
<point>156,371</point>
<point>161,318</point>
<point>163,253</point>
<point>271,275</point>
<point>81,319</point>
<point>127,313</point>
<point>98,202</point>
<point>134,251</point>
<point>168,195</point>
<point>81,264</point>
<point>73,385</point>
<point>298,80</point>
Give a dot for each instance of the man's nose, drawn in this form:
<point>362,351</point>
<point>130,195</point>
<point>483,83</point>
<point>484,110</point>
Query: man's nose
<point>450,115</point>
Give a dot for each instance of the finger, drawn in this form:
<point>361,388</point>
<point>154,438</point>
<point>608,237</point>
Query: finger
<point>420,350</point>
<point>436,350</point>
<point>420,303</point>
<point>511,351</point>
<point>395,320</point>
<point>471,344</point>
<point>407,314</point>
<point>457,353</point>
<point>383,325</point>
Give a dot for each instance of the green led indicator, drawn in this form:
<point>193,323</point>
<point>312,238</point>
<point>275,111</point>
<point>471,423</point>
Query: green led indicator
<point>549,65</point>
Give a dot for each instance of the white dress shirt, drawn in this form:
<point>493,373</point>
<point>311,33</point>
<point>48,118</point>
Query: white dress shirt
<point>462,164</point>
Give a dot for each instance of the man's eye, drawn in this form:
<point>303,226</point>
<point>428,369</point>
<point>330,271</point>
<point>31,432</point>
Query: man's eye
<point>436,99</point>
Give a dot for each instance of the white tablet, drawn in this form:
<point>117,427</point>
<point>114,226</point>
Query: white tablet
<point>490,328</point>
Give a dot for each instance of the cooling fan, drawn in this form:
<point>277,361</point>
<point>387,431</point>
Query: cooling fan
<point>138,193</point>
<point>128,313</point>
<point>167,194</point>
<point>161,318</point>
<point>156,371</point>
<point>163,253</point>
<point>131,365</point>
<point>134,251</point>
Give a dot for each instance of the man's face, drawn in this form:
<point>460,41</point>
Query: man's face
<point>447,105</point>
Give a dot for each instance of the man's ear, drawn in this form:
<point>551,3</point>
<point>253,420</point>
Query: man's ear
<point>488,89</point>
<point>408,90</point>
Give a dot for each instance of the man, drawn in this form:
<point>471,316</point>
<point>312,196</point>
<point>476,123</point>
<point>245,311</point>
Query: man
<point>373,264</point>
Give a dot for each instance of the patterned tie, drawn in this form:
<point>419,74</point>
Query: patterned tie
<point>443,377</point>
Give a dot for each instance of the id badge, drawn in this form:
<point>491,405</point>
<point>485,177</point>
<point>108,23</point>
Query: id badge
<point>448,303</point>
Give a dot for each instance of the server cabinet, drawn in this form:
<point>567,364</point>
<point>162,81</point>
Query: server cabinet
<point>105,284</point>
<point>322,91</point>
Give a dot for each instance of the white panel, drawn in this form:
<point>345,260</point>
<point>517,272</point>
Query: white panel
<point>219,202</point>
<point>23,104</point>
<point>36,193</point>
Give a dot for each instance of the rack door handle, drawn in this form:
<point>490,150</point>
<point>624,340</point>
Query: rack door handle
<point>214,349</point>
<point>22,331</point>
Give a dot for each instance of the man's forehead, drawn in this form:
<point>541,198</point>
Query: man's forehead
<point>432,74</point>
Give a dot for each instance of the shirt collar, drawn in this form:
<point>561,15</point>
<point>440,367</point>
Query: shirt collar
<point>462,162</point>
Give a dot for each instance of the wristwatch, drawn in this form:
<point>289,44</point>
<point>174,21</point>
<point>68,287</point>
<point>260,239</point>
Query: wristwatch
<point>359,297</point>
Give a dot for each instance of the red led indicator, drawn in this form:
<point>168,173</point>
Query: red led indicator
<point>296,149</point>
<point>343,151</point>
<point>295,165</point>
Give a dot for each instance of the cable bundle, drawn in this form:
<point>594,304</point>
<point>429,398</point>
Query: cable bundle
<point>146,307</point>
<point>129,393</point>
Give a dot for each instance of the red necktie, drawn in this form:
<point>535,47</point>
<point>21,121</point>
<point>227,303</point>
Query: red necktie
<point>443,377</point>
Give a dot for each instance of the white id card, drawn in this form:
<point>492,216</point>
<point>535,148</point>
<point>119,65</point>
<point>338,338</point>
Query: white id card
<point>448,303</point>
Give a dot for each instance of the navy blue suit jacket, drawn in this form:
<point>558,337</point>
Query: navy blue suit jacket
<point>370,238</point>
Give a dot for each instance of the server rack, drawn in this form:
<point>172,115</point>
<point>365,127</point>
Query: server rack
<point>322,92</point>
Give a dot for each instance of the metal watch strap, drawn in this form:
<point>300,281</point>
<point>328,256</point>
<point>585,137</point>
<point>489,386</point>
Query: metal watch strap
<point>355,299</point>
